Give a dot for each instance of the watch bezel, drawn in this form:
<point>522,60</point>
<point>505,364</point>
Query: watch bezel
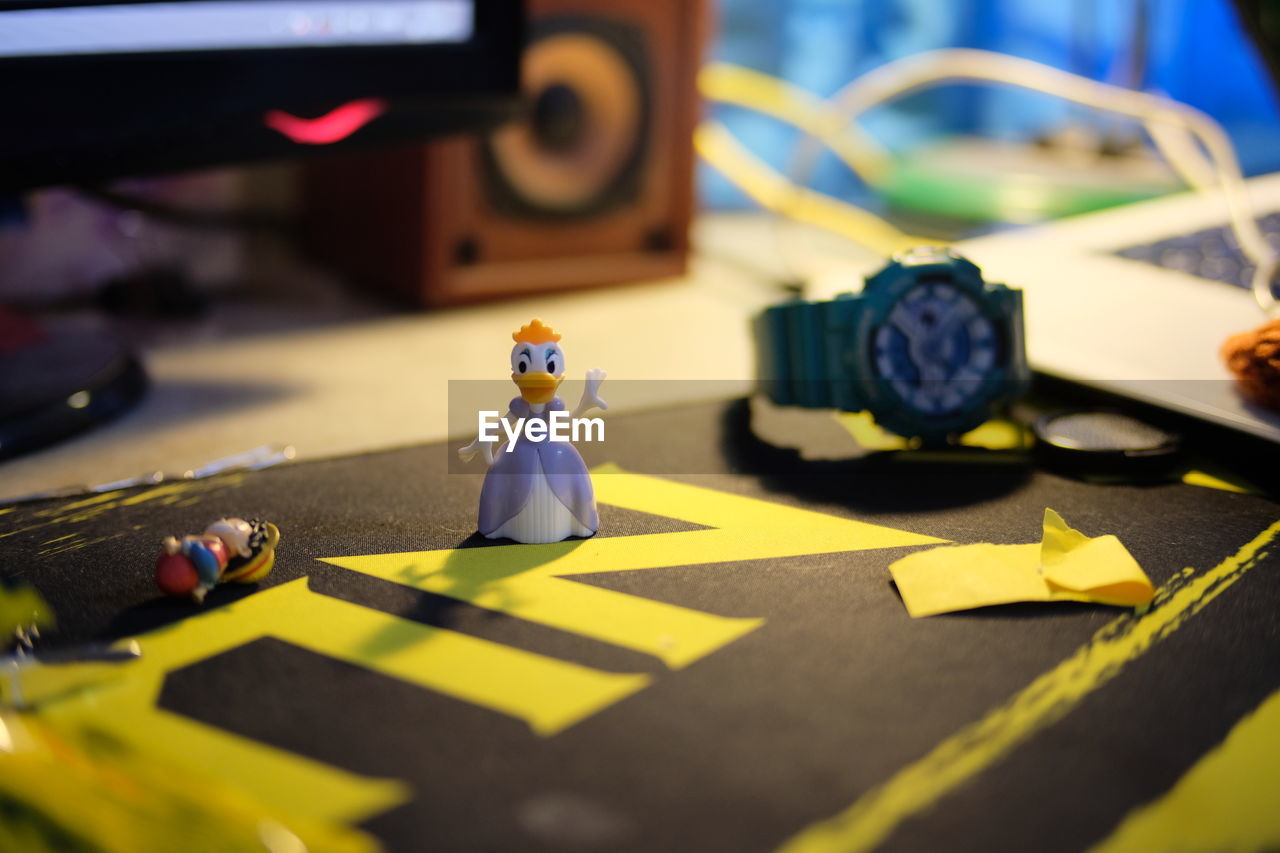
<point>882,293</point>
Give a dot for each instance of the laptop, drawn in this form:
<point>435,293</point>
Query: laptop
<point>1138,300</point>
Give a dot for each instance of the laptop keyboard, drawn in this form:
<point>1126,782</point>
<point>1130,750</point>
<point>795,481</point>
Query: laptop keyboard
<point>1212,253</point>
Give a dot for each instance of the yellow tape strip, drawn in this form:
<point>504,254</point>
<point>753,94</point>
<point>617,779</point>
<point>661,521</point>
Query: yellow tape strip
<point>1226,801</point>
<point>1196,477</point>
<point>715,144</point>
<point>766,94</point>
<point>918,786</point>
<point>527,581</point>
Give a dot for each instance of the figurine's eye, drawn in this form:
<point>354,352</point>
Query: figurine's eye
<point>551,364</point>
<point>522,360</point>
<point>523,366</point>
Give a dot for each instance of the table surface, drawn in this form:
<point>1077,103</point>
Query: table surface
<point>333,377</point>
<point>725,666</point>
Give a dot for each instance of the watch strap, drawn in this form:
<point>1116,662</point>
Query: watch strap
<point>799,362</point>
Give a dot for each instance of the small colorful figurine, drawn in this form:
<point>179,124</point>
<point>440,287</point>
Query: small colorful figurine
<point>230,549</point>
<point>537,491</point>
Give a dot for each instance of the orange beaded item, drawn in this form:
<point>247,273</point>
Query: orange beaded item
<point>1254,358</point>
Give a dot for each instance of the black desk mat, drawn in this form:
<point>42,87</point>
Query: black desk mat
<point>836,697</point>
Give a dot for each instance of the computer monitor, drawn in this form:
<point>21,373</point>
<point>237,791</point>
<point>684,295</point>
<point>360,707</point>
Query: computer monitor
<point>100,89</point>
<point>95,89</point>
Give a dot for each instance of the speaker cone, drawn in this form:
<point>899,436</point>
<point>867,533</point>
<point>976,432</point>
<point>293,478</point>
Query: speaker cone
<point>578,149</point>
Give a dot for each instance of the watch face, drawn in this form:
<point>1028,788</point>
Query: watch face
<point>935,348</point>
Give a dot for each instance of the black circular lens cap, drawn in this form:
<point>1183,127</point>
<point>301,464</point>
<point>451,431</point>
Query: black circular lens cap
<point>1100,442</point>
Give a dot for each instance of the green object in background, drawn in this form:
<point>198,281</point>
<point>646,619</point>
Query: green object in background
<point>985,181</point>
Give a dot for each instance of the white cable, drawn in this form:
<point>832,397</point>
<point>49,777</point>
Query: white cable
<point>1186,157</point>
<point>923,70</point>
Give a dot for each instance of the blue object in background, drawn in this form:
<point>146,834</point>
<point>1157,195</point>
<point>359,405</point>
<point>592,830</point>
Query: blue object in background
<point>1197,52</point>
<point>1202,55</point>
<point>820,45</point>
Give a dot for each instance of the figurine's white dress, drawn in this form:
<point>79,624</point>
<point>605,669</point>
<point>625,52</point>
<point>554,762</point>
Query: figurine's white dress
<point>539,492</point>
<point>543,519</point>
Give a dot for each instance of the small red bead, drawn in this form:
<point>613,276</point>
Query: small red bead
<point>175,574</point>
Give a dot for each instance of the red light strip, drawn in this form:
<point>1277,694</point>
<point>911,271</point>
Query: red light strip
<point>334,126</point>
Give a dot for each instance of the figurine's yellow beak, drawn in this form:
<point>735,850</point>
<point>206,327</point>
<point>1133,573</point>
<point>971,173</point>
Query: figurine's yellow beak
<point>537,387</point>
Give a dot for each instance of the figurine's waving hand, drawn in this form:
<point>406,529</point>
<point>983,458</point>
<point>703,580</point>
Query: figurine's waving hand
<point>466,454</point>
<point>591,394</point>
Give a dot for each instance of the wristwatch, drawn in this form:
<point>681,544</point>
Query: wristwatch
<point>927,347</point>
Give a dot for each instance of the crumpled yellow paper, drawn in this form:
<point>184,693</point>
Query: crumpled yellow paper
<point>1065,566</point>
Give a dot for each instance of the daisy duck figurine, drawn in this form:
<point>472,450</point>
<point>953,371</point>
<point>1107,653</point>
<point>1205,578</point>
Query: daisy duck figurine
<point>537,491</point>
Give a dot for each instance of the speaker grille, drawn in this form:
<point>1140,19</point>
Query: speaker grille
<point>579,149</point>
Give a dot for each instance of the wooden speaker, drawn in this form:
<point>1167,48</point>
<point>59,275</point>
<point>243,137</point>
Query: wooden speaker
<point>592,185</point>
